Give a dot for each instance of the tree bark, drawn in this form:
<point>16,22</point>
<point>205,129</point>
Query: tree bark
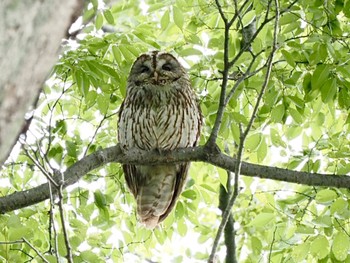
<point>73,173</point>
<point>31,33</point>
<point>229,231</point>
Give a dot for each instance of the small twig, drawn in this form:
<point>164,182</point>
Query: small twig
<point>268,72</point>
<point>228,64</point>
<point>11,242</point>
<point>52,225</point>
<point>25,253</point>
<point>41,168</point>
<point>246,75</point>
<point>258,30</point>
<point>273,241</point>
<point>63,223</point>
<point>36,251</point>
<point>95,133</point>
<point>223,17</point>
<point>23,240</point>
<point>220,112</point>
<point>51,109</point>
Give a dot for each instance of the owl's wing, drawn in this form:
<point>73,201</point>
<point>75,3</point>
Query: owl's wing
<point>181,177</point>
<point>132,178</point>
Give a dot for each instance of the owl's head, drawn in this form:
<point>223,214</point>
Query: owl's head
<point>156,68</point>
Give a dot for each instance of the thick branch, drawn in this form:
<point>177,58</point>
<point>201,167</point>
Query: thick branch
<point>197,154</point>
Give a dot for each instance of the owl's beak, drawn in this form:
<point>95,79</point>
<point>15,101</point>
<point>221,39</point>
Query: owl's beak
<point>155,76</point>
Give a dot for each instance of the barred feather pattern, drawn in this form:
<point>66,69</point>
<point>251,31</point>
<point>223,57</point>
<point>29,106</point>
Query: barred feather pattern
<point>160,112</point>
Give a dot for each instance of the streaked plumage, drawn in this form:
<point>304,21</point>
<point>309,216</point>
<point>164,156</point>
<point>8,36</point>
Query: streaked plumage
<point>159,111</point>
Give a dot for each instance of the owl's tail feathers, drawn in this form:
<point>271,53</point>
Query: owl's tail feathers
<point>155,197</point>
<point>150,222</point>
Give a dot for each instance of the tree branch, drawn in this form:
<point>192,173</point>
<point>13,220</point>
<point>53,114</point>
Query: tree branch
<point>229,232</point>
<point>36,250</point>
<point>69,255</point>
<point>243,136</point>
<point>97,159</point>
<point>23,240</point>
<point>220,112</point>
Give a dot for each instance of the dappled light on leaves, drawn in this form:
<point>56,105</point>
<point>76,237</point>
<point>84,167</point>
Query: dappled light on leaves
<point>279,97</point>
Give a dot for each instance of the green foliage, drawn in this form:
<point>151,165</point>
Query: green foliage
<point>302,124</point>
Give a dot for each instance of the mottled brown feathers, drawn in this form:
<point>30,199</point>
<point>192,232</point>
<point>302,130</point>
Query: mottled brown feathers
<point>159,111</point>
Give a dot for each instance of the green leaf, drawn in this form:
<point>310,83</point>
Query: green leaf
<point>339,206</point>
<point>100,199</point>
<point>82,82</point>
<point>116,54</point>
<point>301,251</point>
<point>293,132</point>
<point>126,53</point>
<point>276,138</point>
<point>239,118</point>
<point>248,18</point>
<point>307,83</point>
<point>71,149</point>
<point>297,117</point>
<point>344,98</point>
<point>262,219</point>
<point>20,232</point>
<point>320,75</point>
<point>109,17</point>
<point>179,210</point>
<point>277,113</point>
<point>190,52</point>
<point>190,194</point>
<point>99,21</point>
<point>287,19</point>
<point>60,126</point>
<point>155,7</point>
<point>208,187</point>
<point>323,221</point>
<point>103,103</point>
<point>88,256</point>
<point>325,196</point>
<point>165,20</point>
<point>181,227</point>
<point>289,58</point>
<point>256,245</point>
<point>320,247</point>
<point>303,229</point>
<point>90,99</point>
<point>223,177</point>
<point>94,4</point>
<point>262,150</point>
<point>253,142</point>
<point>346,9</point>
<point>178,17</point>
<point>341,246</point>
<point>328,90</point>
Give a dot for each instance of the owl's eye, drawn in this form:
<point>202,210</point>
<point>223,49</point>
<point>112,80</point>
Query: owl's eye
<point>167,67</point>
<point>144,69</point>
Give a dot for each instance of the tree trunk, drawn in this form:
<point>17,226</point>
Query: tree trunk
<point>31,32</point>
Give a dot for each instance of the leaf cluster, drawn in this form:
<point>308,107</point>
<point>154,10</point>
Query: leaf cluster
<point>301,124</point>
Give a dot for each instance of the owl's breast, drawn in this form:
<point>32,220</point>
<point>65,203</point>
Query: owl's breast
<point>164,121</point>
<point>157,129</point>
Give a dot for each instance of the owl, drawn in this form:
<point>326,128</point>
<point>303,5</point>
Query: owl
<point>160,112</point>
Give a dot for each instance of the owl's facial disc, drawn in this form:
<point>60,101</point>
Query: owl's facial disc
<point>156,68</point>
